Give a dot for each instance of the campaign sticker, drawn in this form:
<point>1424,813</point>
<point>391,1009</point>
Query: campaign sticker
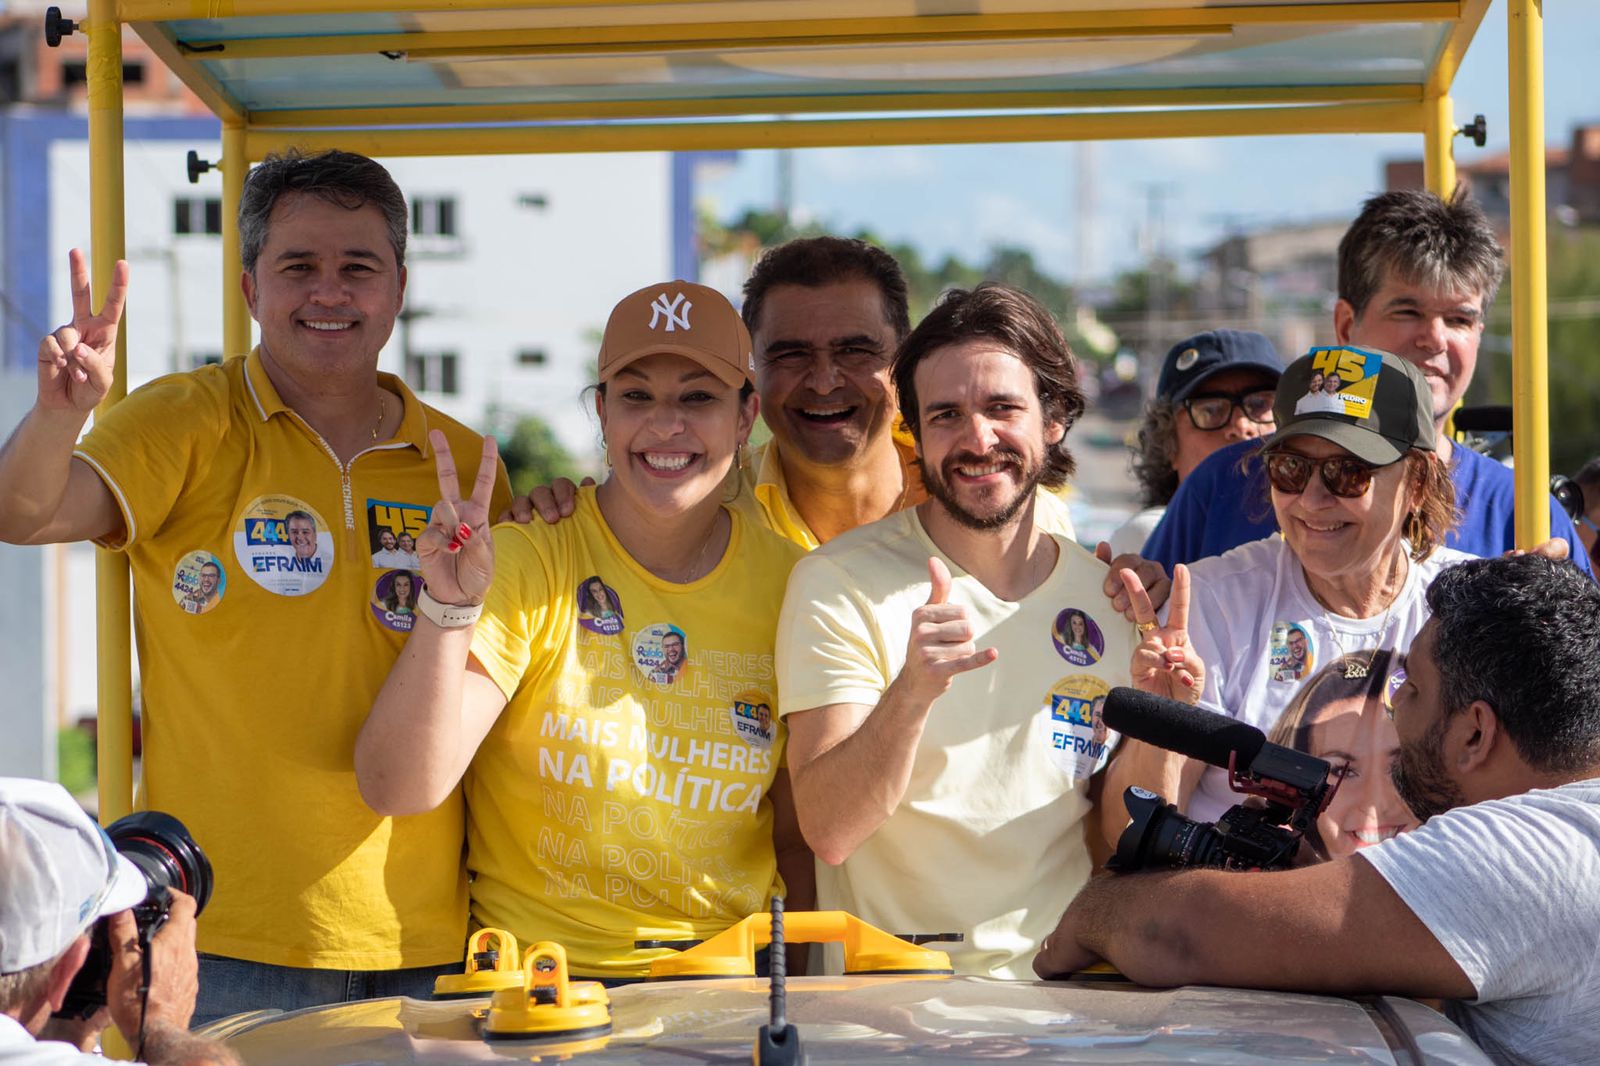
<point>661,652</point>
<point>198,582</point>
<point>1077,638</point>
<point>752,718</point>
<point>1071,726</point>
<point>392,532</point>
<point>1342,382</point>
<point>1391,686</point>
<point>284,545</point>
<point>394,600</point>
<point>599,607</point>
<point>1291,654</point>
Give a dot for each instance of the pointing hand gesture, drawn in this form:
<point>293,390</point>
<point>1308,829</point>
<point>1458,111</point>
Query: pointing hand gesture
<point>941,644</point>
<point>1165,663</point>
<point>456,551</point>
<point>76,361</point>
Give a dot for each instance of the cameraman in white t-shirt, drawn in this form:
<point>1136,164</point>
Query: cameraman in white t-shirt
<point>1493,904</point>
<point>59,874</point>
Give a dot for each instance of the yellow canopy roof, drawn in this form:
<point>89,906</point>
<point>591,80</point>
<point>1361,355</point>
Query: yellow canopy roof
<point>947,71</point>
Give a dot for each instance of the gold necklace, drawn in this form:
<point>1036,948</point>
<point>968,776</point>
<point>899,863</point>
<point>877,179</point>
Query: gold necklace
<point>380,416</point>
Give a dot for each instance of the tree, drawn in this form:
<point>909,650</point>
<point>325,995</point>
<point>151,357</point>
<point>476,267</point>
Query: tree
<point>1574,332</point>
<point>534,456</point>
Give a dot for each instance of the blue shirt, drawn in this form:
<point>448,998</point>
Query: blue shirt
<point>1223,503</point>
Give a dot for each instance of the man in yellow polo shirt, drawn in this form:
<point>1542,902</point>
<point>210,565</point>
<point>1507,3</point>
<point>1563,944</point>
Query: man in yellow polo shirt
<point>251,498</point>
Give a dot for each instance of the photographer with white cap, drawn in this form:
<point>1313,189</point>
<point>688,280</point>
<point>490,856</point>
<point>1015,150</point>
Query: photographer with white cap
<point>62,875</point>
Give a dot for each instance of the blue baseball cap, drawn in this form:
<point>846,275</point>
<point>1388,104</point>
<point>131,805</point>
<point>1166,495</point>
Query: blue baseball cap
<point>1195,360</point>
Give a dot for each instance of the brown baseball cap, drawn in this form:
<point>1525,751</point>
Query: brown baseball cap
<point>679,318</point>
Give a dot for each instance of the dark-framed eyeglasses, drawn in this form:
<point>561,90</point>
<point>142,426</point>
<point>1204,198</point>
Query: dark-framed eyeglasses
<point>1345,476</point>
<point>1214,410</point>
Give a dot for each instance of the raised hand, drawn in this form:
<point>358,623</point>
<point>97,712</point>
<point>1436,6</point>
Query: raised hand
<point>941,644</point>
<point>1165,663</point>
<point>456,551</point>
<point>76,361</point>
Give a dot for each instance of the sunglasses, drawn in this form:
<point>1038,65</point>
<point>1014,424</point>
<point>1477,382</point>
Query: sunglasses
<point>1346,477</point>
<point>1215,410</point>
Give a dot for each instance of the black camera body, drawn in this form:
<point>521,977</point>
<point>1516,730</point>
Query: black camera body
<point>162,849</point>
<point>1253,836</point>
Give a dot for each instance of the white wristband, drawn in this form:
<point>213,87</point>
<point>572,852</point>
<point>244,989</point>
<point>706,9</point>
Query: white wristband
<point>447,615</point>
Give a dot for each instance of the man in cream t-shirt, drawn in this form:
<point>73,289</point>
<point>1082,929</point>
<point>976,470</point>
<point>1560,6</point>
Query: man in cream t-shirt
<point>943,733</point>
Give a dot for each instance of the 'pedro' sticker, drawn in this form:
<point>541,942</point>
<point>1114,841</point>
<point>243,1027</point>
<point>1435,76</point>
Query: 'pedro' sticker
<point>599,607</point>
<point>1290,652</point>
<point>1077,638</point>
<point>392,532</point>
<point>1071,727</point>
<point>661,652</point>
<point>198,582</point>
<point>1343,382</point>
<point>394,600</point>
<point>284,545</point>
<point>752,718</point>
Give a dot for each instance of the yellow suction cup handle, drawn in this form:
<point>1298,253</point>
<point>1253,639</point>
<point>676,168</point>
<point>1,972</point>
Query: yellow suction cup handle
<point>867,949</point>
<point>492,964</point>
<point>547,1004</point>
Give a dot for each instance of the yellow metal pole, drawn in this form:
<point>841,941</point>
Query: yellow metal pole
<point>235,313</point>
<point>103,69</point>
<point>1438,132</point>
<point>1530,373</point>
<point>820,133</point>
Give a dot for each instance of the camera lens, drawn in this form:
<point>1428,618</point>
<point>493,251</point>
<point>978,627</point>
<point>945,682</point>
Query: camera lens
<point>1159,837</point>
<point>162,849</point>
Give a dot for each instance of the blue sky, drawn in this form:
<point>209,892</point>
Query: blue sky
<point>970,198</point>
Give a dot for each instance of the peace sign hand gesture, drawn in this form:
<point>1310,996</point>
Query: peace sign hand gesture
<point>76,361</point>
<point>456,551</point>
<point>1165,663</point>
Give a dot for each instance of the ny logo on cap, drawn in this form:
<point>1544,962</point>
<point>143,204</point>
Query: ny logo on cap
<point>676,312</point>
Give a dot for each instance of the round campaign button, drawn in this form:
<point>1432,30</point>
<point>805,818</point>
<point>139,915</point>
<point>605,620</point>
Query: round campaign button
<point>284,545</point>
<point>394,600</point>
<point>199,582</point>
<point>661,652</point>
<point>753,719</point>
<point>599,607</point>
<point>1077,637</point>
<point>1071,727</point>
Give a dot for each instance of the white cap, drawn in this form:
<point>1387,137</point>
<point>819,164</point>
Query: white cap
<point>61,873</point>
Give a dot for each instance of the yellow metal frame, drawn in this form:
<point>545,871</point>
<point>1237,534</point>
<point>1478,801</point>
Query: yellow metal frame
<point>939,117</point>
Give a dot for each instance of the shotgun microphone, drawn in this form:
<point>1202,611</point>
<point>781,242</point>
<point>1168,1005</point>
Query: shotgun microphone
<point>1212,738</point>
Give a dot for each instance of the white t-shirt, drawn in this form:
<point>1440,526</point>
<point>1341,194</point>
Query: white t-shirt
<point>1511,889</point>
<point>19,1048</point>
<point>986,840</point>
<point>1262,635</point>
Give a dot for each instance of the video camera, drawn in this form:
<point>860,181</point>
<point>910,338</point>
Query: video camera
<point>162,849</point>
<point>1295,785</point>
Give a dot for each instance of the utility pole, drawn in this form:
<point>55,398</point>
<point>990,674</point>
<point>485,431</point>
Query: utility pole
<point>1156,267</point>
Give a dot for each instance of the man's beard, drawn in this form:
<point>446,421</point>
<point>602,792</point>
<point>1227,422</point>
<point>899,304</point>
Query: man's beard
<point>939,487</point>
<point>1419,776</point>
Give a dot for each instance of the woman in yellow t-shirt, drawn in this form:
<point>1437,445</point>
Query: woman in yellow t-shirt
<point>614,726</point>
